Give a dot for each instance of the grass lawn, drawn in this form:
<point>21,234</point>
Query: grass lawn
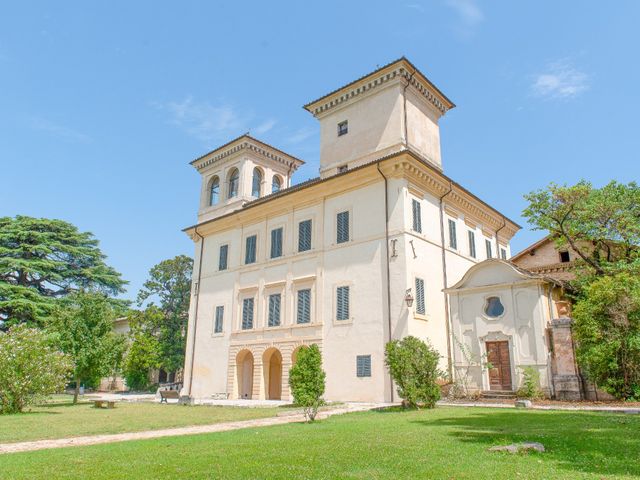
<point>448,443</point>
<point>60,419</point>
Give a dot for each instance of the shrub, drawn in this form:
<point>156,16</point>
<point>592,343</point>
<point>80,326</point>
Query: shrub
<point>607,333</point>
<point>530,387</point>
<point>306,379</point>
<point>414,367</point>
<point>30,368</point>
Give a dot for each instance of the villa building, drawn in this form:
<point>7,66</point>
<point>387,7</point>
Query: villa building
<point>350,260</point>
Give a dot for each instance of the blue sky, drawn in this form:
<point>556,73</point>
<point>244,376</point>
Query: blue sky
<point>102,106</point>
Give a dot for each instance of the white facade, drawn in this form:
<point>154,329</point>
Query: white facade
<point>524,308</point>
<point>379,260</point>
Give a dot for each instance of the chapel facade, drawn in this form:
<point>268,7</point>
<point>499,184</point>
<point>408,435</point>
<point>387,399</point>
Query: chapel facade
<point>359,256</point>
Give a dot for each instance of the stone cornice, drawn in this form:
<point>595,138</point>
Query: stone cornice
<point>400,70</point>
<point>246,142</point>
<point>458,198</point>
<point>399,164</point>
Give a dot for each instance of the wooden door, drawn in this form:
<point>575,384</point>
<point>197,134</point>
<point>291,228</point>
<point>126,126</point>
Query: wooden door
<point>500,371</point>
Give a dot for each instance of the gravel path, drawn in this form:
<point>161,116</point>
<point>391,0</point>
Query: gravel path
<point>544,405</point>
<point>171,432</point>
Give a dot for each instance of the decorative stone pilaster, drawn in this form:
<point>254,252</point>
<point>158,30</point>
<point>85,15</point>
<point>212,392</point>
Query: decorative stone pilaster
<point>566,381</point>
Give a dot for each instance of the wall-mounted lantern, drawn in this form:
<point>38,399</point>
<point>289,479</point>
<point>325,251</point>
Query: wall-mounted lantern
<point>408,298</point>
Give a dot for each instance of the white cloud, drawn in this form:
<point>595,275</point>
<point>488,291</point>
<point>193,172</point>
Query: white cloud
<point>203,120</point>
<point>212,123</point>
<point>560,80</point>
<point>468,11</point>
<point>415,6</point>
<point>57,130</point>
<point>264,127</point>
<point>301,135</point>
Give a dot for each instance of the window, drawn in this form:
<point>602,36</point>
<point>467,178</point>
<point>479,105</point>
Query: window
<point>214,191</point>
<point>250,249</point>
<point>256,182</point>
<point>276,184</point>
<point>363,365</point>
<point>234,180</point>
<point>274,310</point>
<point>493,308</point>
<point>503,254</point>
<point>487,244</point>
<point>343,168</point>
<point>304,236</point>
<point>304,306</point>
<point>217,328</point>
<point>222,259</point>
<point>247,314</point>
<point>276,242</point>
<point>343,128</point>
<point>417,215</point>
<point>342,227</point>
<point>453,239</point>
<point>564,257</point>
<point>342,303</point>
<point>420,304</point>
<point>472,244</point>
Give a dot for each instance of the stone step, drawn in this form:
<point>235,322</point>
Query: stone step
<point>499,394</point>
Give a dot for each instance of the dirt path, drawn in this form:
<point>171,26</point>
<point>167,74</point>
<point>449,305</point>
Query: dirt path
<point>171,432</point>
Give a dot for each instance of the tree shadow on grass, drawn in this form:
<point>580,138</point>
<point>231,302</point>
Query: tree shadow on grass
<point>586,442</point>
<point>63,404</point>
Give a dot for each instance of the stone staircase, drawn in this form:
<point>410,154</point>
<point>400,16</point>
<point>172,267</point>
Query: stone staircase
<point>499,394</point>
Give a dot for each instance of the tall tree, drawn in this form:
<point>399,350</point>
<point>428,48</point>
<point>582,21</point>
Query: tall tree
<point>144,352</point>
<point>169,284</point>
<point>83,323</point>
<point>602,225</point>
<point>42,260</point>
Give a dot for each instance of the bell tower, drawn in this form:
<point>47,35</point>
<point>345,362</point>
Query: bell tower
<point>241,171</point>
<point>393,108</point>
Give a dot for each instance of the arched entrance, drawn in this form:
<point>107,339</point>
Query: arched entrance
<point>244,374</point>
<point>272,366</point>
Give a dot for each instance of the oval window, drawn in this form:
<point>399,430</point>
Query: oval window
<point>493,307</point>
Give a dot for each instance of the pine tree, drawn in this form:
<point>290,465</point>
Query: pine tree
<point>42,260</point>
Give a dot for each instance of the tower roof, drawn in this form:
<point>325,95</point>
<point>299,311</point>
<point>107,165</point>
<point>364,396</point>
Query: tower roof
<point>243,142</point>
<point>400,68</point>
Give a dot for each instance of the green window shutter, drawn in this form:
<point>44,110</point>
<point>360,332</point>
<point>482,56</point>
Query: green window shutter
<point>420,303</point>
<point>247,314</point>
<point>222,260</point>
<point>342,303</point>
<point>274,310</point>
<point>304,306</point>
<point>219,319</point>
<point>342,227</point>
<point>472,244</point>
<point>417,215</point>
<point>487,244</point>
<point>250,249</point>
<point>453,240</point>
<point>276,243</point>
<point>304,236</point>
<point>363,365</point>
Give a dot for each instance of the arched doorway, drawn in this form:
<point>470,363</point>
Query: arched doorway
<point>272,365</point>
<point>244,369</point>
